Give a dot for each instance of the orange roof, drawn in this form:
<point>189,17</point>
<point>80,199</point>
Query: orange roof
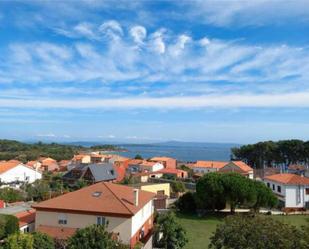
<point>135,161</point>
<point>26,217</point>
<point>297,167</point>
<point>291,179</point>
<point>7,165</point>
<point>209,164</point>
<point>243,166</point>
<point>171,171</point>
<point>147,164</point>
<point>57,232</point>
<point>79,156</point>
<point>162,159</point>
<point>112,200</point>
<point>32,163</point>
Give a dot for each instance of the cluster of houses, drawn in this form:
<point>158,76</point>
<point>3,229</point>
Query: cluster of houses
<point>127,210</point>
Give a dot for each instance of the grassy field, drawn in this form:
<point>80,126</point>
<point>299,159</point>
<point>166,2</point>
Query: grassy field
<point>199,230</point>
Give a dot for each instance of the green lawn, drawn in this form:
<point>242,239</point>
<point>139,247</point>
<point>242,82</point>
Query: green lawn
<point>199,230</point>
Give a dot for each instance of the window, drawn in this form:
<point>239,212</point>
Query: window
<point>100,220</point>
<point>298,195</point>
<point>273,186</point>
<point>26,230</point>
<point>279,189</point>
<point>268,184</point>
<point>307,190</point>
<point>160,192</point>
<point>62,219</point>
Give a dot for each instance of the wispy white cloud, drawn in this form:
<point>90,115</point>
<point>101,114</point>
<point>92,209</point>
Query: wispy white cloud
<point>296,100</point>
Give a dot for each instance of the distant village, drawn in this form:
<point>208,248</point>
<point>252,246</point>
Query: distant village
<point>125,193</point>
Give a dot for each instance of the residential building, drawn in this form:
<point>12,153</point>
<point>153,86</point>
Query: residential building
<point>297,169</point>
<point>91,172</point>
<point>292,190</point>
<point>202,167</point>
<point>239,167</point>
<point>14,173</point>
<point>146,166</point>
<point>24,213</point>
<point>168,162</point>
<point>81,158</point>
<point>162,191</point>
<point>127,212</point>
<point>175,173</point>
<point>48,164</point>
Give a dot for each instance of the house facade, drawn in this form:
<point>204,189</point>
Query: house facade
<point>203,167</point>
<point>168,162</point>
<point>126,211</point>
<point>292,190</point>
<point>14,172</point>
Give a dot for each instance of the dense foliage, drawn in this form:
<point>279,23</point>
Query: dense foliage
<point>8,225</point>
<point>10,195</point>
<point>42,241</point>
<point>215,190</point>
<point>19,241</point>
<point>269,153</point>
<point>168,233</point>
<point>258,232</point>
<point>186,203</point>
<point>10,149</point>
<point>94,237</point>
<point>106,147</point>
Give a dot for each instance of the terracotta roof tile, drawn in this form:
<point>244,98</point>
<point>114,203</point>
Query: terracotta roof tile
<point>243,166</point>
<point>26,217</point>
<point>163,158</point>
<point>209,164</point>
<point>290,179</point>
<point>113,199</point>
<point>7,165</point>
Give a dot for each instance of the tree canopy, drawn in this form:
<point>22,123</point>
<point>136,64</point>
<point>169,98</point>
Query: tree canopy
<point>270,153</point>
<point>215,190</point>
<point>168,233</point>
<point>258,232</point>
<point>94,237</point>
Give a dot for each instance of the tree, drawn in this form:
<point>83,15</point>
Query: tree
<point>178,187</point>
<point>42,241</point>
<point>210,192</point>
<point>168,233</point>
<point>10,195</point>
<point>8,225</point>
<point>186,203</point>
<point>258,232</point>
<point>93,237</point>
<point>264,197</point>
<point>19,241</point>
<point>139,157</point>
<point>38,191</point>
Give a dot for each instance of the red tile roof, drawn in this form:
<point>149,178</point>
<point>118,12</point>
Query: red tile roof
<point>114,200</point>
<point>243,166</point>
<point>26,217</point>
<point>7,165</point>
<point>171,171</point>
<point>162,159</point>
<point>57,232</point>
<point>289,179</point>
<point>209,164</point>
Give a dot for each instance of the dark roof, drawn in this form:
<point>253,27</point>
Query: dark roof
<point>100,172</point>
<point>105,172</point>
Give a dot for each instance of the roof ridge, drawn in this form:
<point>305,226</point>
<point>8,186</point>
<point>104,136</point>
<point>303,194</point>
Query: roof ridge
<point>118,198</point>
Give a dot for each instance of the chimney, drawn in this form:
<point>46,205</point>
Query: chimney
<point>135,193</point>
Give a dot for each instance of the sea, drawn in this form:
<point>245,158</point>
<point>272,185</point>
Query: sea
<point>186,152</point>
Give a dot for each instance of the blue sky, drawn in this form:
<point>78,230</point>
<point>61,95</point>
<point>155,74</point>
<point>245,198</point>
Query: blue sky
<point>143,71</point>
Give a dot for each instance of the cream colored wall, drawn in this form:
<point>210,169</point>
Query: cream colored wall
<point>139,219</point>
<point>157,187</point>
<point>86,159</point>
<point>115,224</point>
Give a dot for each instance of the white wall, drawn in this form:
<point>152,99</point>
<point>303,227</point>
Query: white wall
<point>204,170</point>
<point>157,167</point>
<point>20,173</point>
<point>115,224</point>
<point>139,219</point>
<point>289,194</point>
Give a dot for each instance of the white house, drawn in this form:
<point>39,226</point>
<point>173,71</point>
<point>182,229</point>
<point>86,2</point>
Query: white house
<point>291,189</point>
<point>151,166</point>
<point>126,211</point>
<point>14,171</point>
